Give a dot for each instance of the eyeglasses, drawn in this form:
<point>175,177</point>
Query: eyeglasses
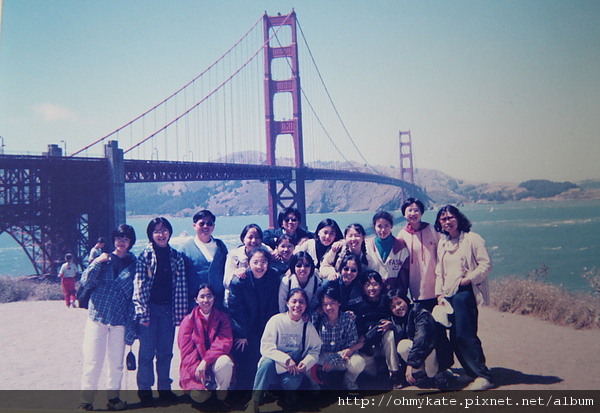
<point>205,224</point>
<point>160,231</point>
<point>300,265</point>
<point>444,219</point>
<point>290,219</point>
<point>348,269</point>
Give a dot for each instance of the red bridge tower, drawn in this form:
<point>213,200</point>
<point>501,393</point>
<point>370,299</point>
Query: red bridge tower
<point>288,193</point>
<point>406,161</point>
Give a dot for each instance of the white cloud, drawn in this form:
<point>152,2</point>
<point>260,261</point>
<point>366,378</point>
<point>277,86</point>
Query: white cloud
<point>51,113</point>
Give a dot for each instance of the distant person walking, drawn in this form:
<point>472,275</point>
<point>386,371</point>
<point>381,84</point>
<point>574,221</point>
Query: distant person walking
<point>97,250</point>
<point>67,274</point>
<point>111,323</point>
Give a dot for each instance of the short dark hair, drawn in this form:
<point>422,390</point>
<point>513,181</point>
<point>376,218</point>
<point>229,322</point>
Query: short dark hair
<point>204,213</point>
<point>68,256</point>
<point>372,275</point>
<point>285,212</point>
<point>332,291</point>
<point>248,228</point>
<point>302,256</point>
<point>124,231</point>
<point>383,215</point>
<point>261,250</point>
<point>203,286</point>
<point>101,240</point>
<point>389,297</point>
<point>284,237</point>
<point>464,225</point>
<point>153,224</point>
<point>328,222</point>
<point>411,201</point>
<point>297,290</point>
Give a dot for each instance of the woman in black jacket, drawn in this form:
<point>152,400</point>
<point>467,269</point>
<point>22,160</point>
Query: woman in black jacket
<point>253,300</point>
<point>423,350</point>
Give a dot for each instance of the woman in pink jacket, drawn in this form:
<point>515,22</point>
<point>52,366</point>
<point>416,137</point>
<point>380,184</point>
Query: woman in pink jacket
<point>205,340</point>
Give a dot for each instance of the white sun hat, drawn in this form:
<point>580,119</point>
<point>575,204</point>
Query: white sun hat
<point>441,312</point>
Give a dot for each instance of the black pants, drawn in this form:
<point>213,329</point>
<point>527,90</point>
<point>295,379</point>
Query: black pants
<point>463,333</point>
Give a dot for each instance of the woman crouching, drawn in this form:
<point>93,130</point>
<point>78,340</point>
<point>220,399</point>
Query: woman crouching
<point>205,340</point>
<point>289,346</point>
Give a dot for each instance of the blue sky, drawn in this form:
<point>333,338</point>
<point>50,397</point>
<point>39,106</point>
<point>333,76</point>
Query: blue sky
<point>491,90</point>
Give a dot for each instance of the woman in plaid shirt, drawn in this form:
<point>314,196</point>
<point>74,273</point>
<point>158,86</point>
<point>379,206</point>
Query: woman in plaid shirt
<point>340,339</point>
<point>111,323</point>
<point>161,301</point>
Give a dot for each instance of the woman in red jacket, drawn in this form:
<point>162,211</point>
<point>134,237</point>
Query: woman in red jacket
<point>205,340</point>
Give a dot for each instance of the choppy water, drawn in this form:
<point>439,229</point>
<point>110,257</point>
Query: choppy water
<point>520,237</point>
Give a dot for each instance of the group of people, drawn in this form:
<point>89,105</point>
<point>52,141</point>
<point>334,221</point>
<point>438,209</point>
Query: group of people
<point>288,308</point>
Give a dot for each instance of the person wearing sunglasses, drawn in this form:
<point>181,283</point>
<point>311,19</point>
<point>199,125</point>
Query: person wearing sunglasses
<point>289,221</point>
<point>302,275</point>
<point>205,257</point>
<point>348,282</point>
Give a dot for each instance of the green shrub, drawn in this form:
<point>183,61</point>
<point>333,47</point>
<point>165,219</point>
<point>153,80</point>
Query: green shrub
<point>530,296</point>
<point>29,289</point>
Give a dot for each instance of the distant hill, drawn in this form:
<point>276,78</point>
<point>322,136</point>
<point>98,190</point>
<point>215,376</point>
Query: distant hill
<point>250,197</point>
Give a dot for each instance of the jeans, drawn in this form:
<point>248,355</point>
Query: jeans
<point>267,375</point>
<point>156,340</point>
<point>463,333</point>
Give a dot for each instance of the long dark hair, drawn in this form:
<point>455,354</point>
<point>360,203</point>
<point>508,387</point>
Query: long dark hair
<point>464,225</point>
<point>328,222</point>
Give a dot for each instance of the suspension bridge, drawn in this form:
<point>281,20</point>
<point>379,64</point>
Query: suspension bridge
<point>246,117</point>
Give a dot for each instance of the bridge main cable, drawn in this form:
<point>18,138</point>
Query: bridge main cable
<point>173,94</point>
<point>206,97</point>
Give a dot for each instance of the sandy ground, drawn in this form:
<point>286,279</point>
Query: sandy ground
<point>40,349</point>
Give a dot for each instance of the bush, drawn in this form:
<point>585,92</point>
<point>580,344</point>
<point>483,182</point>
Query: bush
<point>29,289</point>
<point>530,296</point>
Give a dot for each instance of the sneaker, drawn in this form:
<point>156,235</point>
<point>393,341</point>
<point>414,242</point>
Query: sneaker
<point>88,407</point>
<point>146,399</point>
<point>350,385</point>
<point>397,379</point>
<point>167,396</point>
<point>116,405</point>
<point>441,382</point>
<point>200,396</point>
<point>252,407</point>
<point>480,384</point>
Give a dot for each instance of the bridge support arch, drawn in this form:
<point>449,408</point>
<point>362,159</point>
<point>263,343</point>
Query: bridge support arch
<point>51,204</point>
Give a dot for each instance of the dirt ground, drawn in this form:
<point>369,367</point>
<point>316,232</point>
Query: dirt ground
<point>40,349</point>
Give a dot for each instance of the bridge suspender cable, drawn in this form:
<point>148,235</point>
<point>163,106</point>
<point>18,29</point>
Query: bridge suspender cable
<point>174,94</point>
<point>333,104</point>
<point>210,94</point>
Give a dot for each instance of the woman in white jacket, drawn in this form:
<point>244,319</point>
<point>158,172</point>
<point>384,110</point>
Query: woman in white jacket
<point>461,277</point>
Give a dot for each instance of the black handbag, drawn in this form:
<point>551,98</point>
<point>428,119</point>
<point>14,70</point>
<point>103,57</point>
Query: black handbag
<point>130,360</point>
<point>83,296</point>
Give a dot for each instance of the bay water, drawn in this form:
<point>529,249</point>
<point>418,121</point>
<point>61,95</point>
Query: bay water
<point>520,236</point>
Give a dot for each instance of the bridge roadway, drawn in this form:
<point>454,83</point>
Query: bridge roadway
<point>54,204</point>
<point>166,171</point>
